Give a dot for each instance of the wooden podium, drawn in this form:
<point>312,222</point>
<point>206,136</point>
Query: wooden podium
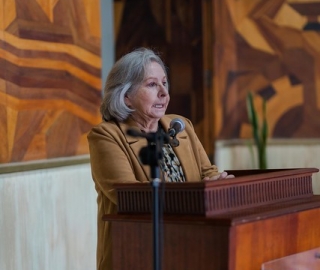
<point>232,224</point>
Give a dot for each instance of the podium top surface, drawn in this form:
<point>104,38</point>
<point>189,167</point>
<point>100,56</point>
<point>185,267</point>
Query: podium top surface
<point>249,189</point>
<point>241,176</point>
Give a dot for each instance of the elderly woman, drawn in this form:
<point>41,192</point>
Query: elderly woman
<point>136,96</point>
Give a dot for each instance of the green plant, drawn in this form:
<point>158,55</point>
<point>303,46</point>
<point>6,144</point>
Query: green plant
<point>259,133</point>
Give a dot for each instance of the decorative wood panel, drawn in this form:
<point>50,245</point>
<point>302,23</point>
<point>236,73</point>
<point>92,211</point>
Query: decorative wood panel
<point>271,48</point>
<point>50,85</point>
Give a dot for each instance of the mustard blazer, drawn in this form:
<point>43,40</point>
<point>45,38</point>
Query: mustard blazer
<point>114,158</point>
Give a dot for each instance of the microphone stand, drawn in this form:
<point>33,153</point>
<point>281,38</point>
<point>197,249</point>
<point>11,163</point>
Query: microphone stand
<point>151,155</point>
<point>155,148</point>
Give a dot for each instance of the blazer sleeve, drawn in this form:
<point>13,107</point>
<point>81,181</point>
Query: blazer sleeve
<point>110,161</point>
<point>206,167</point>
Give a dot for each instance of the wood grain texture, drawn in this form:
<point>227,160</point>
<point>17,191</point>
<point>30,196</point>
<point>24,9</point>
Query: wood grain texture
<point>185,246</point>
<point>272,49</point>
<point>226,242</point>
<point>50,74</point>
<point>265,240</point>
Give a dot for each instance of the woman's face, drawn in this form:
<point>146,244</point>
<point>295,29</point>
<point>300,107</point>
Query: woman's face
<point>151,99</point>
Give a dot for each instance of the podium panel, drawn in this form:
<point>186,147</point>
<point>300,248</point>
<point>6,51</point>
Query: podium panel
<point>245,237</point>
<point>248,190</point>
<point>308,260</point>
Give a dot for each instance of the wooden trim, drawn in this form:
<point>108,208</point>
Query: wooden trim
<point>43,164</point>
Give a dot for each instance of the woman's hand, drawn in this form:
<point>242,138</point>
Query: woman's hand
<point>222,175</point>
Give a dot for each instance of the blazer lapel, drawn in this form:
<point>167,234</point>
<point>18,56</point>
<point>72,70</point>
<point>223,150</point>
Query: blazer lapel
<point>135,143</point>
<point>184,153</point>
<point>186,157</point>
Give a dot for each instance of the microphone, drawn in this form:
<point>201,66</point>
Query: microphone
<point>176,126</point>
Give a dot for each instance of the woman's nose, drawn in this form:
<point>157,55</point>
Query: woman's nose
<point>163,91</point>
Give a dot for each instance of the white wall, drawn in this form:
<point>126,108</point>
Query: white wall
<point>236,155</point>
<point>48,219</point>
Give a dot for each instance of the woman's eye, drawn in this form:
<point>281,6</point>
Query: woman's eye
<point>152,84</point>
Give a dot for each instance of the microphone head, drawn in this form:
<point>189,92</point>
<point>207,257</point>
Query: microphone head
<point>176,126</point>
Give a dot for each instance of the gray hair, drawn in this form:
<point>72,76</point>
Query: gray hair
<point>126,76</point>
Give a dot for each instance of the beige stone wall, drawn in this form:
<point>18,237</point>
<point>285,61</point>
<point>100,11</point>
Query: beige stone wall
<point>281,154</point>
<point>48,219</point>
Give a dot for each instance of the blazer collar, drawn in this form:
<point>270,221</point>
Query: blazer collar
<point>183,151</point>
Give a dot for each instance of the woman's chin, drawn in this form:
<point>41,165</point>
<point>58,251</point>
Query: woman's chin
<point>159,114</point>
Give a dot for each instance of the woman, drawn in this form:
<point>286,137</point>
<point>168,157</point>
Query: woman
<point>136,97</point>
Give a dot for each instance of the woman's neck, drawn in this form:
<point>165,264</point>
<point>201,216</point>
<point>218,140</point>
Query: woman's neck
<point>146,126</point>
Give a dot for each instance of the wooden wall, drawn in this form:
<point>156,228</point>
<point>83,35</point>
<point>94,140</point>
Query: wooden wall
<point>50,69</point>
<point>273,49</point>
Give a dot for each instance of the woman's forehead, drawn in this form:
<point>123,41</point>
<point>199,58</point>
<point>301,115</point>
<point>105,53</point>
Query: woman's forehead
<point>154,68</point>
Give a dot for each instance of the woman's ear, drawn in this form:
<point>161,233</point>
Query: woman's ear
<point>127,100</point>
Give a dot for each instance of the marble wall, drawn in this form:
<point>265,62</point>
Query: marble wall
<point>236,155</point>
<point>48,219</point>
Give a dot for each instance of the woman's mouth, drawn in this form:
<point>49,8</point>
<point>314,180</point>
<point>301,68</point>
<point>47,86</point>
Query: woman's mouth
<point>158,106</point>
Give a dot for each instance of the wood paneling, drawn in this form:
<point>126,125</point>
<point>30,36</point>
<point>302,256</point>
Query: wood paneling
<point>271,49</point>
<point>265,240</point>
<point>231,241</point>
<point>50,85</point>
<point>185,244</point>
